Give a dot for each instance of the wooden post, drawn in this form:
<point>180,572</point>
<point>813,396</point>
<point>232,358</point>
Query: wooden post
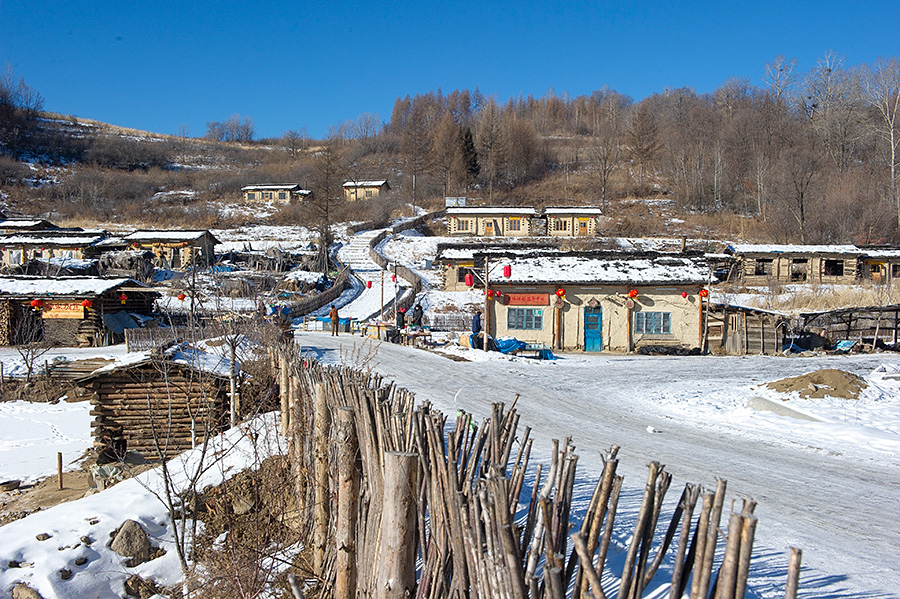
<point>629,331</point>
<point>793,581</point>
<point>487,307</point>
<point>396,576</point>
<point>321,426</point>
<point>59,469</point>
<point>728,572</point>
<point>283,382</point>
<point>712,535</point>
<point>748,531</point>
<point>347,506</point>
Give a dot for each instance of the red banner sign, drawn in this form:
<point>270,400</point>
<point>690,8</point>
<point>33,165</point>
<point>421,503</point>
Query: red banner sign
<point>63,309</point>
<point>527,299</point>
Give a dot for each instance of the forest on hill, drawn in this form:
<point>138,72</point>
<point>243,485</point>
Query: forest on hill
<point>808,157</point>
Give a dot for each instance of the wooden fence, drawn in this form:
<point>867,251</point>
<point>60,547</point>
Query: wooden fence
<point>382,482</point>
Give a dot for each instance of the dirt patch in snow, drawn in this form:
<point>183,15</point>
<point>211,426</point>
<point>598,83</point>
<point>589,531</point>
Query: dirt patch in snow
<point>822,383</point>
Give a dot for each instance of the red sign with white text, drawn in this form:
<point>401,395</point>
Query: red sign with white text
<point>527,299</point>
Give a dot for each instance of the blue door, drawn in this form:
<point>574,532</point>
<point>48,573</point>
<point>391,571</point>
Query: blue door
<point>593,338</point>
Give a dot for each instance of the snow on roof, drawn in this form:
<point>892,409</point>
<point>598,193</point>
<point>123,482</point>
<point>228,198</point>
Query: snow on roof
<point>886,253</point>
<point>289,187</point>
<point>52,237</point>
<point>572,210</point>
<point>195,359</point>
<point>492,210</point>
<point>750,248</point>
<point>468,252</point>
<point>365,183</point>
<point>62,286</point>
<point>15,223</point>
<point>168,235</point>
<point>608,269</point>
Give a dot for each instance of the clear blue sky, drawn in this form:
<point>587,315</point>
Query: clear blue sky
<point>290,65</point>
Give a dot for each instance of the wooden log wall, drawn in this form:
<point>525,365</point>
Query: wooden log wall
<point>476,534</point>
<point>158,413</point>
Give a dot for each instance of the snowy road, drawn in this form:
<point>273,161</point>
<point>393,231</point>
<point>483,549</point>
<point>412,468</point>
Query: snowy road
<point>819,488</point>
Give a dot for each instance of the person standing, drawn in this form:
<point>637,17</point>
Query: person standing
<point>335,319</point>
<point>401,318</point>
<point>417,315</point>
<point>476,322</point>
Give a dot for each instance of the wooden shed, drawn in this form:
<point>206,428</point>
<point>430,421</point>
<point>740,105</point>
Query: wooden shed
<point>176,249</point>
<point>740,330</point>
<point>763,264</point>
<point>19,247</point>
<point>159,402</point>
<point>874,325</point>
<point>72,311</point>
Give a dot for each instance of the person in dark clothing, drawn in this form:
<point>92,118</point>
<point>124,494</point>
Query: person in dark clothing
<point>401,318</point>
<point>476,322</point>
<point>417,315</point>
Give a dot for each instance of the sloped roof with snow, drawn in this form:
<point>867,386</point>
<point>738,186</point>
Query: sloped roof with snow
<point>365,183</point>
<point>53,237</point>
<point>750,248</point>
<point>467,252</point>
<point>26,286</point>
<point>169,235</point>
<point>521,211</point>
<point>584,210</point>
<point>609,268</point>
<point>281,187</point>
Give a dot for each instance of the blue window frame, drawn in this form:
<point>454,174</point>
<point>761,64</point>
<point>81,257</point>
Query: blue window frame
<point>653,323</point>
<point>528,319</point>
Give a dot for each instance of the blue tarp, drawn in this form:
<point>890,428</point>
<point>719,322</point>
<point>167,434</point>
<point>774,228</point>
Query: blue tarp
<point>508,345</point>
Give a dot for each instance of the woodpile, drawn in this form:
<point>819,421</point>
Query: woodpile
<point>382,483</point>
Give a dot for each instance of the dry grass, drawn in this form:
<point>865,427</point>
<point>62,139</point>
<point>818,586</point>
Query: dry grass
<point>816,298</point>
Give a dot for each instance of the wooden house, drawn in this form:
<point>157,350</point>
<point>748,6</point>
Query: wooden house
<point>596,301</point>
<point>159,403</point>
<point>572,221</point>
<point>365,190</point>
<point>764,264</point>
<point>71,311</point>
<point>492,221</point>
<point>740,330</point>
<point>881,265</point>
<point>176,249</point>
<point>284,194</point>
<point>18,248</point>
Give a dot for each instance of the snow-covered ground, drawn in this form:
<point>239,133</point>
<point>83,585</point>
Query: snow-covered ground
<point>829,487</point>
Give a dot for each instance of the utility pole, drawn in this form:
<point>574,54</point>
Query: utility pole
<point>382,296</point>
<point>487,307</point>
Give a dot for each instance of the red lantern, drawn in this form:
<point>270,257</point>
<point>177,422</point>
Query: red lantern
<point>123,298</point>
<point>560,293</point>
<point>633,293</point>
<point>37,304</point>
<point>393,278</point>
<point>368,284</point>
<point>507,271</point>
<point>684,294</point>
<point>498,293</point>
<point>470,280</point>
<point>490,293</point>
<point>87,304</point>
<point>181,297</point>
<point>704,293</point>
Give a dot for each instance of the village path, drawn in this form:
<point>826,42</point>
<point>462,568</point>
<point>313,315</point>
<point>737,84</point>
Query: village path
<point>370,299</point>
<point>840,510</point>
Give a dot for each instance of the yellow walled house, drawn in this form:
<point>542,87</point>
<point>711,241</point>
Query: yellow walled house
<point>365,190</point>
<point>284,194</point>
<point>598,301</point>
<point>176,249</point>
<point>491,221</point>
<point>16,249</point>
<point>572,221</point>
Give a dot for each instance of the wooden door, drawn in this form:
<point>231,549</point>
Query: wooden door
<point>593,329</point>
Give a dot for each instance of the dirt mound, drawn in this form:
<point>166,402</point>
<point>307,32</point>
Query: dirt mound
<point>822,383</point>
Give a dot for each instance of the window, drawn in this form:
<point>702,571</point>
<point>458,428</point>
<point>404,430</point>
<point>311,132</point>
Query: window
<point>15,257</point>
<point>461,274</point>
<point>368,193</point>
<point>763,266</point>
<point>267,195</point>
<point>515,224</point>
<point>895,270</point>
<point>653,323</point>
<point>282,195</point>
<point>462,224</point>
<point>834,268</point>
<point>251,195</point>
<point>529,319</point>
<point>799,269</point>
<point>560,225</point>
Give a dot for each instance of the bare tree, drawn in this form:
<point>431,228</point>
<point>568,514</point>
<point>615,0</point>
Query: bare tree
<point>295,141</point>
<point>328,174</point>
<point>643,139</point>
<point>780,77</point>
<point>881,83</point>
<point>28,337</point>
